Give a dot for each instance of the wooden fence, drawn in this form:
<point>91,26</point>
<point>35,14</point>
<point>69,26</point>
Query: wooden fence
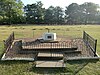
<point>8,41</point>
<point>35,45</point>
<point>90,42</point>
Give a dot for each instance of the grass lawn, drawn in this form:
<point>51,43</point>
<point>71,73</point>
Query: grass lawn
<point>82,67</point>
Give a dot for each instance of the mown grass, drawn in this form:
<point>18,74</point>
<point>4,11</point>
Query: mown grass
<point>82,67</point>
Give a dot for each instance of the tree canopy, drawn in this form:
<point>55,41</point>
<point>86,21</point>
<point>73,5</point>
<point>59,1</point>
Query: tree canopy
<point>11,11</point>
<point>14,12</point>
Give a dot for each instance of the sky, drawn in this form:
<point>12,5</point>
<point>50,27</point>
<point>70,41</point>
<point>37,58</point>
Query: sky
<point>61,3</point>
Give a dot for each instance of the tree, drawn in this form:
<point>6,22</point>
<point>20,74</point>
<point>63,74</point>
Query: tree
<point>58,15</point>
<point>3,17</point>
<point>73,13</point>
<point>89,11</point>
<point>49,15</point>
<point>12,11</point>
<point>79,14</point>
<point>34,13</point>
<point>54,15</point>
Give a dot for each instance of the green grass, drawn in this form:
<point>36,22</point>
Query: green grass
<point>82,67</point>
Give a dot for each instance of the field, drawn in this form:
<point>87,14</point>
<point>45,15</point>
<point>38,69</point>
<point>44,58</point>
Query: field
<point>82,67</point>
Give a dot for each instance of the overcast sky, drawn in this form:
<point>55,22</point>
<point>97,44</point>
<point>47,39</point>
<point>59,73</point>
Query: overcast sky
<point>61,3</point>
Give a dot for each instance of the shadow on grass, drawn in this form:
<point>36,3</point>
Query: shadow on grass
<point>72,68</point>
<point>49,71</point>
<point>75,66</point>
<point>10,62</point>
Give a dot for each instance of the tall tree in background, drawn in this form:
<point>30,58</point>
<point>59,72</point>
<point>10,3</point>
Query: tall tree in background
<point>58,15</point>
<point>79,14</point>
<point>54,15</point>
<point>11,11</point>
<point>18,12</point>
<point>2,12</point>
<point>34,13</point>
<point>73,13</point>
<point>89,12</point>
<point>49,15</point>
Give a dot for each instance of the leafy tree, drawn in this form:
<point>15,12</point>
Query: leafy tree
<point>11,11</point>
<point>84,13</point>
<point>34,13</point>
<point>2,11</point>
<point>49,15</point>
<point>89,11</point>
<point>73,13</point>
<point>54,15</point>
<point>58,15</point>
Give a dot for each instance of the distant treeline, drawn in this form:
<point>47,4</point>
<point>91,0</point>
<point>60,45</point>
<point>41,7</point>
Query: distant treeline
<point>14,12</point>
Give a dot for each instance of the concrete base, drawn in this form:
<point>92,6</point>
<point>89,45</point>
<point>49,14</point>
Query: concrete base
<point>54,64</point>
<point>82,58</point>
<point>50,54</point>
<point>15,58</point>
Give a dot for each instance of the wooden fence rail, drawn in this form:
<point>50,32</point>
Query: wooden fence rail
<point>8,41</point>
<point>60,45</point>
<point>90,42</point>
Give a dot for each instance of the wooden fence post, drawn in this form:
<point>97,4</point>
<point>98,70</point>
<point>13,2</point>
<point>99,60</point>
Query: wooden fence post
<point>95,47</point>
<point>5,47</point>
<point>13,36</point>
<point>19,45</point>
<point>83,35</point>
